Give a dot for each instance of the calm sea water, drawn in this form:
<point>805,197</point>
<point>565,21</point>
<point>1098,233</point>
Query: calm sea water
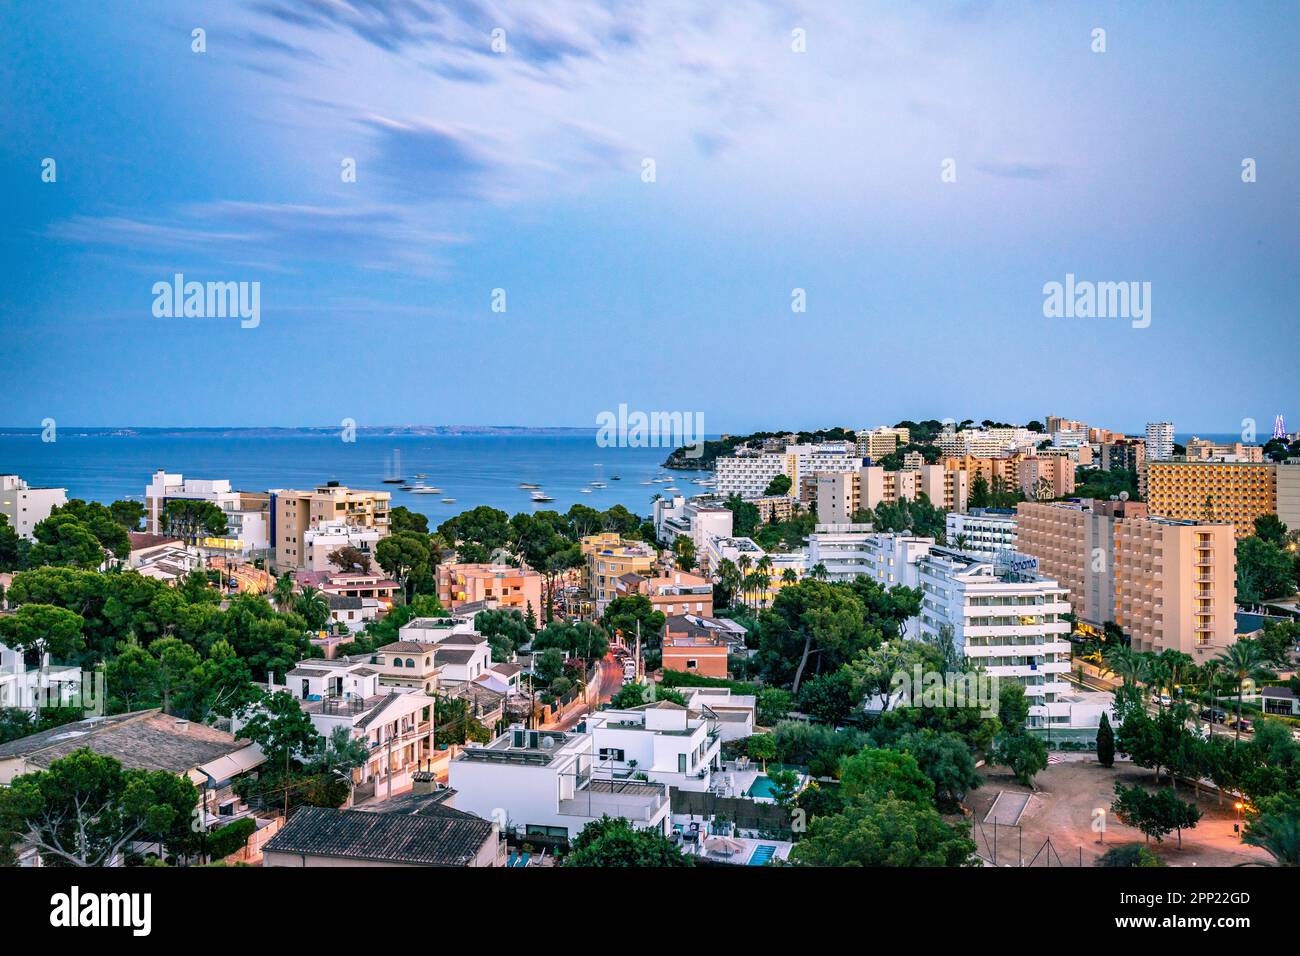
<point>475,470</point>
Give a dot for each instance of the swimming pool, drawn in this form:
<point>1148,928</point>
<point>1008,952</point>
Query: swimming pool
<point>762,787</point>
<point>762,854</point>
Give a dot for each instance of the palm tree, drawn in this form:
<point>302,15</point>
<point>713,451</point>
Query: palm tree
<point>764,569</point>
<point>744,565</point>
<point>1128,665</point>
<point>282,591</point>
<point>728,577</point>
<point>789,576</point>
<point>1242,662</point>
<point>313,607</point>
<point>1278,834</point>
<point>819,572</point>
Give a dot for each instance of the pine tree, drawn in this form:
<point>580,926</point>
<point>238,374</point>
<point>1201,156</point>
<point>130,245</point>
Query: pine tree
<point>1105,742</point>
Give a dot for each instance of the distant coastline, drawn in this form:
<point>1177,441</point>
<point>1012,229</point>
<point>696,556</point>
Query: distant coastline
<point>305,431</point>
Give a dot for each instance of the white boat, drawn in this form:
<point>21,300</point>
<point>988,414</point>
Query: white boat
<point>540,496</point>
<point>671,488</point>
<point>448,501</point>
<point>585,491</point>
<point>423,490</point>
<point>525,484</point>
<point>598,484</point>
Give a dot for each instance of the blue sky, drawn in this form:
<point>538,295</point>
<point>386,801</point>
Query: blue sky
<point>521,170</point>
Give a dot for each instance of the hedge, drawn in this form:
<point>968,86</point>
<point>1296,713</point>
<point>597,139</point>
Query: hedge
<point>687,679</point>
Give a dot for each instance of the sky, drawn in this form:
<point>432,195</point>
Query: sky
<point>795,146</point>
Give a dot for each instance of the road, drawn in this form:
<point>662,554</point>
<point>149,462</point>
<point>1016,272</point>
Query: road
<point>609,678</point>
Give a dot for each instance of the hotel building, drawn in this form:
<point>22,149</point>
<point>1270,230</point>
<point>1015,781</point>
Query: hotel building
<point>24,507</point>
<point>294,512</point>
<point>1005,618</point>
<point>1175,585</point>
<point>984,531</point>
<point>841,496</point>
<point>1160,441</point>
<point>1236,492</point>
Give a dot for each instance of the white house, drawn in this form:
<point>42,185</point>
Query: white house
<point>543,783</point>
<point>666,742</point>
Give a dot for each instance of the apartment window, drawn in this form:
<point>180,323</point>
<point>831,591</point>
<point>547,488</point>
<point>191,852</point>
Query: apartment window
<point>611,753</point>
<point>692,663</point>
<point>681,763</point>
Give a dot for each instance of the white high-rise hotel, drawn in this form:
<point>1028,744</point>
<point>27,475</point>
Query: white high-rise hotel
<point>1160,441</point>
<point>1007,619</point>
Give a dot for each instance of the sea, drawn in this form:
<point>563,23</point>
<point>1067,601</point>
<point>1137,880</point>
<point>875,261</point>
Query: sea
<point>472,469</point>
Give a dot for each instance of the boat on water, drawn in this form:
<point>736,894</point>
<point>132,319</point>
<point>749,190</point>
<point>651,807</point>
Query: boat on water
<point>598,484</point>
<point>393,481</point>
<point>526,484</point>
<point>448,501</point>
<point>615,477</point>
<point>420,475</point>
<point>539,496</point>
<point>647,482</point>
<point>585,491</point>
<point>422,490</point>
<point>671,488</point>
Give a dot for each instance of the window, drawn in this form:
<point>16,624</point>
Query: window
<point>410,663</point>
<point>692,663</point>
<point>681,763</point>
<point>611,753</point>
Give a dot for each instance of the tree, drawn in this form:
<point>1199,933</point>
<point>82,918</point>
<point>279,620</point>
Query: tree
<point>282,592</point>
<point>581,639</point>
<point>333,766</point>
<point>684,552</point>
<point>1024,753</point>
<point>1264,571</point>
<point>979,496</point>
<point>761,747</point>
<point>11,548</point>
<point>1105,742</point>
<point>403,556</point>
<point>614,842</point>
<point>1155,814</point>
<point>773,705</point>
<point>1269,528</point>
<point>947,761</point>
<point>779,485</point>
<point>830,698</point>
<point>402,519</point>
<point>85,809</point>
<point>1129,855</point>
<point>549,664</point>
<point>177,667</point>
<point>624,613</point>
<point>40,629</point>
<point>875,773</point>
<point>1242,661</point>
<point>100,522</point>
<point>62,539</point>
<point>888,832</point>
<point>349,558</point>
<point>505,629</point>
<point>192,520</point>
<point>128,514</point>
<point>313,607</point>
<point>278,725</point>
<point>1278,833</point>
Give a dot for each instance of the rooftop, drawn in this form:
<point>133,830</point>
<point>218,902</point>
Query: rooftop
<point>438,839</point>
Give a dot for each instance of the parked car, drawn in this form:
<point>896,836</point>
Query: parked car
<point>1244,724</point>
<point>1213,715</point>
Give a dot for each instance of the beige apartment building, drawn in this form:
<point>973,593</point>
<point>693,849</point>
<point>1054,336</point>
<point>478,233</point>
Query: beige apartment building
<point>841,495</point>
<point>294,512</point>
<point>1073,542</point>
<point>1046,476</point>
<point>608,557</point>
<point>497,585</point>
<point>1200,449</point>
<point>1170,585</point>
<point>1235,492</point>
<point>1175,585</point>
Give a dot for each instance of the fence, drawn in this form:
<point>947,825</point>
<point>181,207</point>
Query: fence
<point>745,814</point>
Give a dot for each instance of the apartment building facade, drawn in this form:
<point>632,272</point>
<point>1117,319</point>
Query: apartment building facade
<point>1160,441</point>
<point>1006,618</point>
<point>1213,491</point>
<point>24,507</point>
<point>497,585</point>
<point>608,557</point>
<point>1046,476</point>
<point>1175,585</point>
<point>294,512</point>
<point>983,531</point>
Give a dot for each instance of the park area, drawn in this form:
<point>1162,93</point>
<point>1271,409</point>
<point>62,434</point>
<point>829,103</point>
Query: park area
<point>1055,827</point>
